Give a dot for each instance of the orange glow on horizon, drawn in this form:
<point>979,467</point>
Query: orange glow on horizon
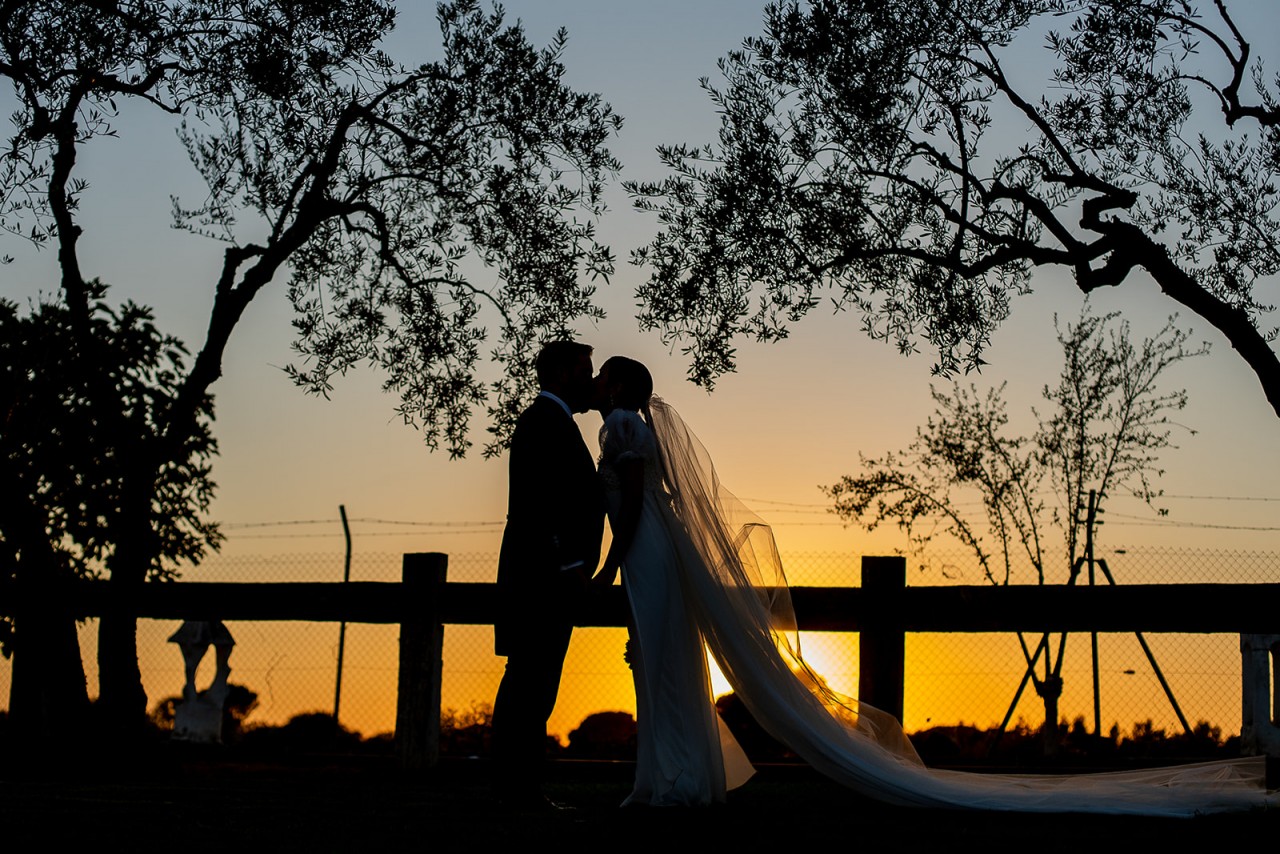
<point>950,679</point>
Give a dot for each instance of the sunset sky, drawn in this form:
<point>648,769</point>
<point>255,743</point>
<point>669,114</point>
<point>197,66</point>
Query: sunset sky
<point>795,415</point>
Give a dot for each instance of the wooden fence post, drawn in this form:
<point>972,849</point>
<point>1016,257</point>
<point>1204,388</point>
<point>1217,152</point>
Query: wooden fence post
<point>881,640</point>
<point>421,660</point>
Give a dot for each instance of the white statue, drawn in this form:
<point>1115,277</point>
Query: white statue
<point>199,716</point>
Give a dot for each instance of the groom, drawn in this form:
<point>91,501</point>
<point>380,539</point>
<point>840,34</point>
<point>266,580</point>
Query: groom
<point>555,522</point>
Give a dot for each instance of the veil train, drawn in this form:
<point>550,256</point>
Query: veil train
<point>740,601</point>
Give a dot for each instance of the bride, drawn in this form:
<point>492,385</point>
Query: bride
<point>701,571</point>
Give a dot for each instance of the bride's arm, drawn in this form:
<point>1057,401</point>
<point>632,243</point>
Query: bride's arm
<point>630,473</point>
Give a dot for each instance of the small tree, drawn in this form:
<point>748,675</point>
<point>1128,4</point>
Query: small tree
<point>962,447</point>
<point>1108,421</point>
<point>377,189</point>
<point>1104,431</point>
<point>67,456</point>
<point>1105,427</point>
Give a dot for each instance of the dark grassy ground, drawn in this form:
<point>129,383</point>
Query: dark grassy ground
<point>203,803</point>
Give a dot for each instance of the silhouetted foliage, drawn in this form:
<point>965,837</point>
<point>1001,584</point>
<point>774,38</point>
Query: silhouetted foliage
<point>69,449</point>
<point>240,703</point>
<point>379,190</point>
<point>83,399</point>
<point>963,448</point>
<point>604,735</point>
<point>1104,430</point>
<point>310,732</point>
<point>466,732</point>
<point>469,732</point>
<point>1106,424</point>
<point>1204,741</point>
<point>1020,745</point>
<point>896,158</point>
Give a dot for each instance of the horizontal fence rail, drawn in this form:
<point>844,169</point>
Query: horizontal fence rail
<point>1182,608</point>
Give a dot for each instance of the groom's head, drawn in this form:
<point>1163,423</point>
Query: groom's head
<point>564,369</point>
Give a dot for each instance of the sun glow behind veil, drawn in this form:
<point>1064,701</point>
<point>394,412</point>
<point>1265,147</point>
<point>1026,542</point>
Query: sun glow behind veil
<point>740,599</point>
<point>739,550</point>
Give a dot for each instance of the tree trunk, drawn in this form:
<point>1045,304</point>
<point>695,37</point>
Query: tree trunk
<point>48,696</point>
<point>121,697</point>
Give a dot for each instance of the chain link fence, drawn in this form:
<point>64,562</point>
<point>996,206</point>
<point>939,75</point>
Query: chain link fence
<point>975,678</point>
<point>950,678</point>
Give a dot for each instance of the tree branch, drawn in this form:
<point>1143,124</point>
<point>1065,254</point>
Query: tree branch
<point>1232,321</point>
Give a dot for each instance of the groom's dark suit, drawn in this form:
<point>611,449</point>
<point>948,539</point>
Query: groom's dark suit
<point>555,521</point>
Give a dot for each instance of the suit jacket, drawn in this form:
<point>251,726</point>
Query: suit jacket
<point>555,517</point>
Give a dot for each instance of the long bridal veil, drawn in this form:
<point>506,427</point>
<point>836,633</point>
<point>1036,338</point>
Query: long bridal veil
<point>740,600</point>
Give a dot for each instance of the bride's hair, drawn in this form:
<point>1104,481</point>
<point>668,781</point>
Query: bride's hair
<point>635,381</point>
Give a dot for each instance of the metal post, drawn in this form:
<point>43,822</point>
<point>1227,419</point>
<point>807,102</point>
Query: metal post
<point>342,627</point>
<point>1091,521</point>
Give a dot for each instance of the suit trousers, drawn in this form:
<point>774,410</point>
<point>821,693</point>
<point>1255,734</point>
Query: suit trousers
<point>526,697</point>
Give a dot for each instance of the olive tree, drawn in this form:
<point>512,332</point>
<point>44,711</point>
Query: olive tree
<point>372,191</point>
<point>911,162</point>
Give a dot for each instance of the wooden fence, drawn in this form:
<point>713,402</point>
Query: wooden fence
<point>882,610</point>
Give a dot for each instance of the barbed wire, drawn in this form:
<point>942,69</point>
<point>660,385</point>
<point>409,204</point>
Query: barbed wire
<point>761,502</point>
<point>337,536</point>
<point>233,525</point>
<point>769,507</point>
<point>1173,523</point>
<point>470,523</point>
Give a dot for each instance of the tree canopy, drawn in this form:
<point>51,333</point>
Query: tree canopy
<point>74,463</point>
<point>378,189</point>
<point>892,158</point>
<point>405,206</point>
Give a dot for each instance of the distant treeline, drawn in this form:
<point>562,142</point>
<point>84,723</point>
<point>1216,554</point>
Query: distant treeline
<point>611,735</point>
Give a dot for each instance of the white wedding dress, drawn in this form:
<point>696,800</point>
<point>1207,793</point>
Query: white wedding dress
<point>703,570</point>
<point>685,755</point>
